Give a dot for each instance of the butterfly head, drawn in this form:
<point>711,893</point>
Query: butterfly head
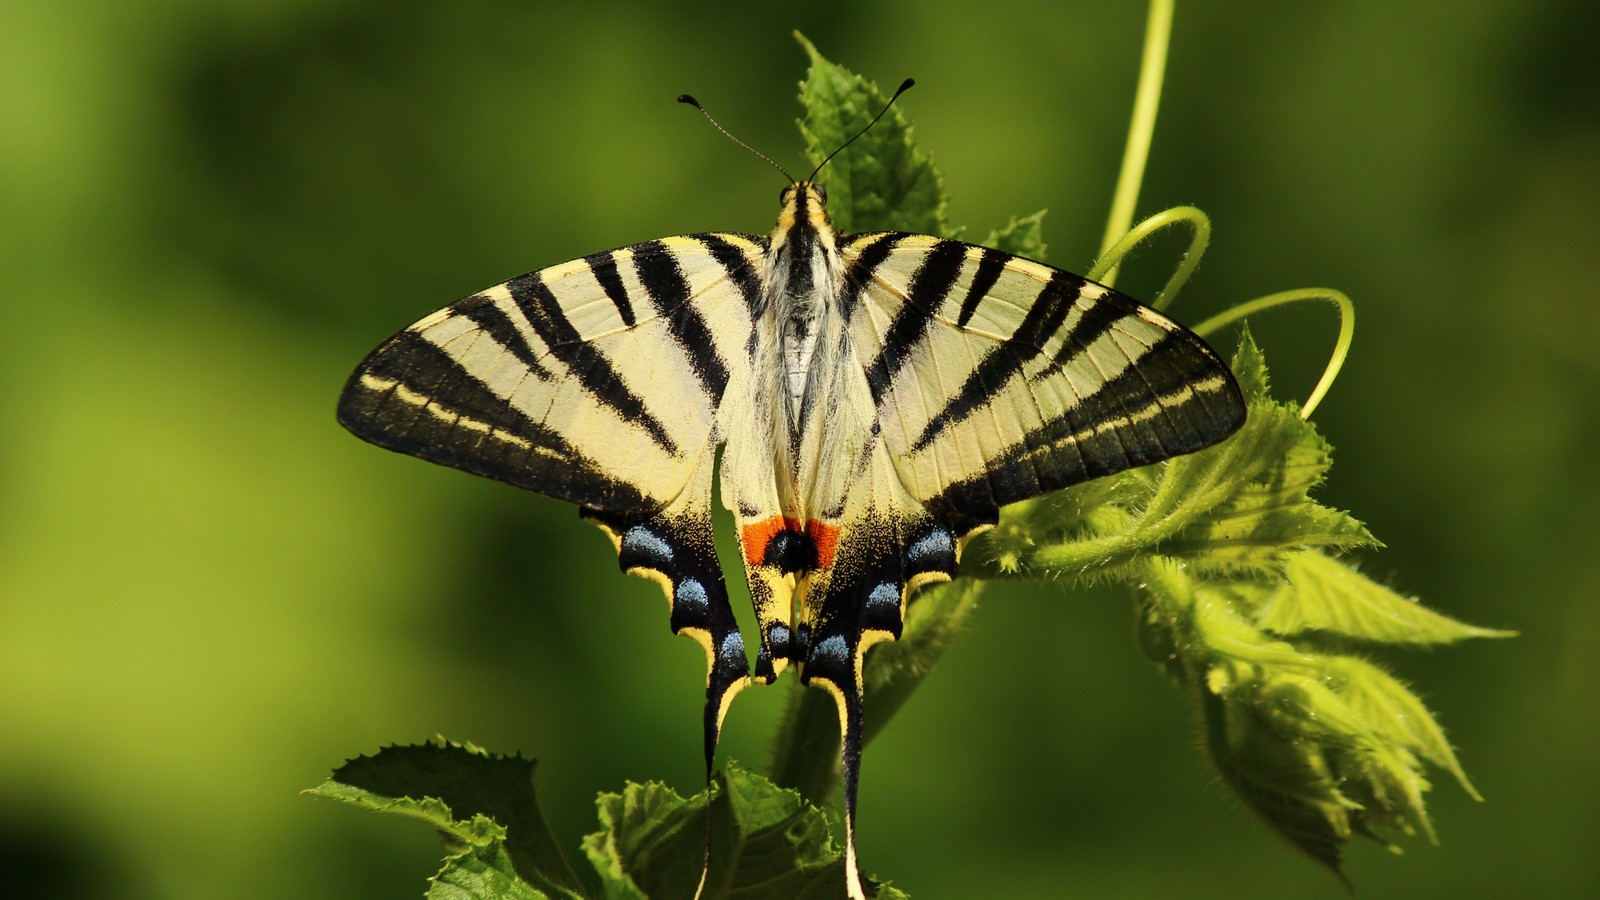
<point>805,208</point>
<point>804,202</point>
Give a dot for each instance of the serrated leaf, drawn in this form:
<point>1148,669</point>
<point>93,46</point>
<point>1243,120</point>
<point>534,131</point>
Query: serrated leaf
<point>1326,595</point>
<point>1255,495</point>
<point>766,842</point>
<point>1249,365</point>
<point>482,874</point>
<point>1393,712</point>
<point>651,842</point>
<point>883,181</point>
<point>1024,236</point>
<point>1319,746</point>
<point>1246,502</point>
<point>483,804</point>
<point>1286,787</point>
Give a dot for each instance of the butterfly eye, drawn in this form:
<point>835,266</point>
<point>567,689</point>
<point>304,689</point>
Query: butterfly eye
<point>783,195</point>
<point>822,193</point>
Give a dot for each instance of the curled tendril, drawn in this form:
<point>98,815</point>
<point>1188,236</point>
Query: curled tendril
<point>1200,237</point>
<point>1341,347</point>
<point>1200,228</point>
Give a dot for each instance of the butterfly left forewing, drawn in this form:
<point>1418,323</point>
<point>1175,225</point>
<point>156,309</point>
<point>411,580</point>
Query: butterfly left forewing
<point>595,381</point>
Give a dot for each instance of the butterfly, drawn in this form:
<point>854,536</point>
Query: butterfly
<point>876,400</point>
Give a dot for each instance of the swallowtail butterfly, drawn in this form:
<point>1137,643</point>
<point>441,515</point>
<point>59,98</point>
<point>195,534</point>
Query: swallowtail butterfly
<point>877,398</point>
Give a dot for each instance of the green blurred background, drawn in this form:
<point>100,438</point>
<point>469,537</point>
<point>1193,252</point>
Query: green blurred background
<point>210,594</point>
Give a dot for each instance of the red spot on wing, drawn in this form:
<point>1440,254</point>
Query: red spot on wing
<point>826,539</point>
<point>755,537</point>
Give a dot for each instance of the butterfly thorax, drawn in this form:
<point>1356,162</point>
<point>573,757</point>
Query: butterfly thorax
<point>801,307</point>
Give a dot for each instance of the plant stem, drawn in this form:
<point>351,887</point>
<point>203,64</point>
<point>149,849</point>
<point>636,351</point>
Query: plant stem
<point>805,752</point>
<point>1141,129</point>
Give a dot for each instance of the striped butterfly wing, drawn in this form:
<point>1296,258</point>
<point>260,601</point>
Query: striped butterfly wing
<point>596,381</point>
<point>997,378</point>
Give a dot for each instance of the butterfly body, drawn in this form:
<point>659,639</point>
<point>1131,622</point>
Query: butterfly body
<point>877,398</point>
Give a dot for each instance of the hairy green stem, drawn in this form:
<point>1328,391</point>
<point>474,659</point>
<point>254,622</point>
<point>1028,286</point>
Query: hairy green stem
<point>805,750</point>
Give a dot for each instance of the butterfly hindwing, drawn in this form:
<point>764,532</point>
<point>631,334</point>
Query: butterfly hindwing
<point>675,548</point>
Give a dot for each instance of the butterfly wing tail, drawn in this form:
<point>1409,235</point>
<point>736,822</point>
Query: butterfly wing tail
<point>673,547</point>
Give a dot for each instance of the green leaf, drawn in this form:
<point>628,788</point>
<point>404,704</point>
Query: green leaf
<point>1246,502</point>
<point>483,805</point>
<point>1326,750</point>
<point>1395,714</point>
<point>883,181</point>
<point>482,874</point>
<point>1242,604</point>
<point>766,842</point>
<point>1319,746</point>
<point>1324,595</point>
<point>651,842</point>
<point>1024,236</point>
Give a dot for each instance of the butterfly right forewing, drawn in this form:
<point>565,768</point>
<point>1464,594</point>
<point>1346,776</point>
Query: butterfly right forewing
<point>998,378</point>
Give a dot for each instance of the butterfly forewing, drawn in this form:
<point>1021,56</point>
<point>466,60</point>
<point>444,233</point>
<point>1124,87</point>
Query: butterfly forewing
<point>595,381</point>
<point>998,378</point>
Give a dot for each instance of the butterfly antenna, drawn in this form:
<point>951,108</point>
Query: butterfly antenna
<point>904,86</point>
<point>685,98</point>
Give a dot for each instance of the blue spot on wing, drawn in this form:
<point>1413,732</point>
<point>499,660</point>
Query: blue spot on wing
<point>933,551</point>
<point>884,600</point>
<point>690,598</point>
<point>732,647</point>
<point>778,638</point>
<point>641,545</point>
<point>833,650</point>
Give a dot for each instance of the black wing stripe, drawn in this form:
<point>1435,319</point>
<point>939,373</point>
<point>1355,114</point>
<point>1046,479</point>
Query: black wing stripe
<point>738,267</point>
<point>1044,317</point>
<point>990,264</point>
<point>669,293</point>
<point>593,372</point>
<point>604,268</point>
<point>1094,320</point>
<point>411,396</point>
<point>926,293</point>
<point>858,274</point>
<point>1178,382</point>
<point>494,322</point>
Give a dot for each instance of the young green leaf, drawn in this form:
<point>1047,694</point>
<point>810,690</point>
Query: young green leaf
<point>766,842</point>
<point>1323,595</point>
<point>485,807</point>
<point>883,182</point>
<point>1243,604</point>
<point>1024,236</point>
